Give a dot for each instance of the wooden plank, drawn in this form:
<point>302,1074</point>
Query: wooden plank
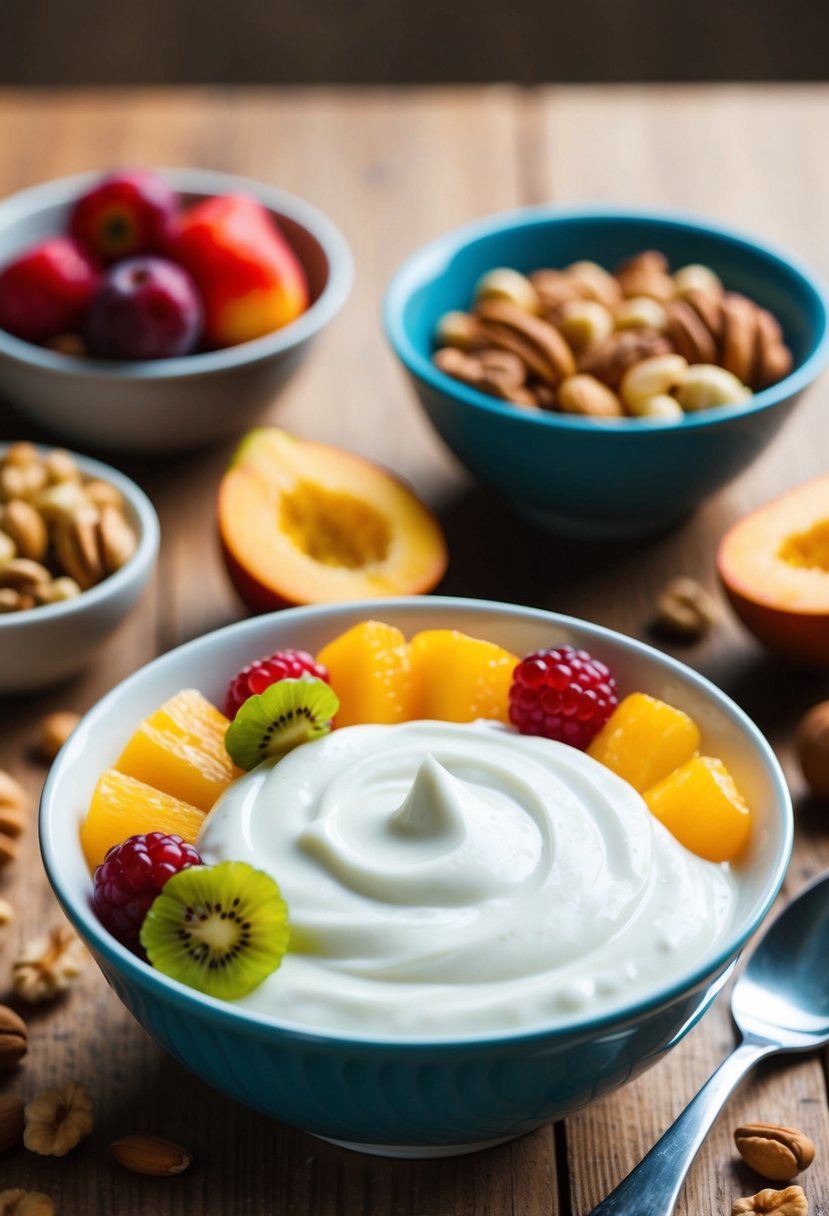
<point>708,151</point>
<point>394,170</point>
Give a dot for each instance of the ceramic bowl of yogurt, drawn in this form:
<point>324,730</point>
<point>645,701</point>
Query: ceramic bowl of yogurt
<point>512,940</point>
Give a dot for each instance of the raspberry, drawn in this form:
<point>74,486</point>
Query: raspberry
<point>259,675</point>
<point>562,694</point>
<point>131,875</point>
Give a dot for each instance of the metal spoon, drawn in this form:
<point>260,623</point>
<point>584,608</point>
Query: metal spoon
<point>779,1003</point>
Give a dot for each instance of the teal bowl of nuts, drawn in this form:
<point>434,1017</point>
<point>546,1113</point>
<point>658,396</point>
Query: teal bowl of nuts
<point>606,371</point>
<point>78,543</point>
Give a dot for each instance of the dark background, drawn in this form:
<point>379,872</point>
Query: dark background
<point>71,42</point>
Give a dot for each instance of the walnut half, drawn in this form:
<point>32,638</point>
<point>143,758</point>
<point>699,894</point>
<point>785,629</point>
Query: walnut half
<point>791,1202</point>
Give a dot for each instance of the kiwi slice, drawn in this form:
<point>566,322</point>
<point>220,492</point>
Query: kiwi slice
<point>272,722</point>
<point>221,929</point>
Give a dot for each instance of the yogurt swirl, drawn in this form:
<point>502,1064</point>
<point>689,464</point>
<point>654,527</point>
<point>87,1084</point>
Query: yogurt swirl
<point>444,879</point>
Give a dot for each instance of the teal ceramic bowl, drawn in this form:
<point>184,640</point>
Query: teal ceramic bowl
<point>404,1096</point>
<point>619,478</point>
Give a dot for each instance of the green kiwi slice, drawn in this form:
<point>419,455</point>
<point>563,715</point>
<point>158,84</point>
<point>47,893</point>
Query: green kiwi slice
<point>221,929</point>
<point>286,714</point>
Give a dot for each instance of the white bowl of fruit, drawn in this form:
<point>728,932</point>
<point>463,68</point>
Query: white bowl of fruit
<point>327,853</point>
<point>159,310</point>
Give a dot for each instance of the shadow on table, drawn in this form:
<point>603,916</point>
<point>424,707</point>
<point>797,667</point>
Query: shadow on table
<point>494,555</point>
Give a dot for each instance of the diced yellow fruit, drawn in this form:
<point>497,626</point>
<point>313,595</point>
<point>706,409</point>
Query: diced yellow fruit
<point>644,739</point>
<point>180,749</point>
<point>461,678</point>
<point>701,806</point>
<point>122,807</point>
<point>371,672</point>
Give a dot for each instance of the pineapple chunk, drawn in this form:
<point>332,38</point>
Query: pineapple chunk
<point>701,806</point>
<point>180,749</point>
<point>122,807</point>
<point>371,672</point>
<point>460,678</point>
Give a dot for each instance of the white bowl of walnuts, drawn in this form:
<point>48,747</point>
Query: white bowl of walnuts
<point>78,542</point>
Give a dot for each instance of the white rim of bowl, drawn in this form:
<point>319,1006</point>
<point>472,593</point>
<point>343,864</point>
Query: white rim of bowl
<point>211,1008</point>
<point>141,562</point>
<point>196,181</point>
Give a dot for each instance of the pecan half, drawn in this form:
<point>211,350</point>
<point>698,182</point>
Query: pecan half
<point>534,340</point>
<point>689,333</point>
<point>739,335</point>
<point>772,358</point>
<point>706,305</point>
<point>775,1152</point>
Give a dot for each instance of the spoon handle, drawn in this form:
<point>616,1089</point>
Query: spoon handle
<point>653,1186</point>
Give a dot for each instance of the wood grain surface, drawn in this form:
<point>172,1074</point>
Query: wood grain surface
<point>394,169</point>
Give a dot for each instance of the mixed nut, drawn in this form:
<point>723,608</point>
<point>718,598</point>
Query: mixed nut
<point>641,342</point>
<point>60,532</point>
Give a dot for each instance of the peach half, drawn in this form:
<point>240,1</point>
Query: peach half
<point>304,523</point>
<point>774,565</point>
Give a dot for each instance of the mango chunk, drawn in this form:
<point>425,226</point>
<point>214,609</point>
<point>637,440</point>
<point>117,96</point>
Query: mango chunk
<point>701,806</point>
<point>180,750</point>
<point>644,740</point>
<point>122,807</point>
<point>371,672</point>
<point>460,678</point>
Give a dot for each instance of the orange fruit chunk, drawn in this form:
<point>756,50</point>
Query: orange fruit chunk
<point>180,749</point>
<point>644,740</point>
<point>460,678</point>
<point>122,807</point>
<point>371,672</point>
<point>701,806</point>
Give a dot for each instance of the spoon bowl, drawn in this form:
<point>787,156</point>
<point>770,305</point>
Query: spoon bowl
<point>783,994</point>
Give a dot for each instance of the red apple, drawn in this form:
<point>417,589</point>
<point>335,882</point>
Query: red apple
<point>128,213</point>
<point>46,291</point>
<point>250,279</point>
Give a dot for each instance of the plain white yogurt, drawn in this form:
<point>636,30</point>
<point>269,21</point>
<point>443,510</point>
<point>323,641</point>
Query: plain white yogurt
<point>446,879</point>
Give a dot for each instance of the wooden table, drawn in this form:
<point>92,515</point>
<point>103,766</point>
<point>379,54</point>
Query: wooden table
<point>395,169</point>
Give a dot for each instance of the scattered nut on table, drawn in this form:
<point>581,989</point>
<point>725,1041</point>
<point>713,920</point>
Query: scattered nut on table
<point>53,731</point>
<point>11,1121</point>
<point>774,1151</point>
<point>6,912</point>
<point>13,1038</point>
<point>685,609</point>
<point>18,1202</point>
<point>151,1155</point>
<point>791,1202</point>
<point>716,346</point>
<point>58,1119</point>
<point>812,746</point>
<point>48,965</point>
<point>14,806</point>
<point>60,533</point>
